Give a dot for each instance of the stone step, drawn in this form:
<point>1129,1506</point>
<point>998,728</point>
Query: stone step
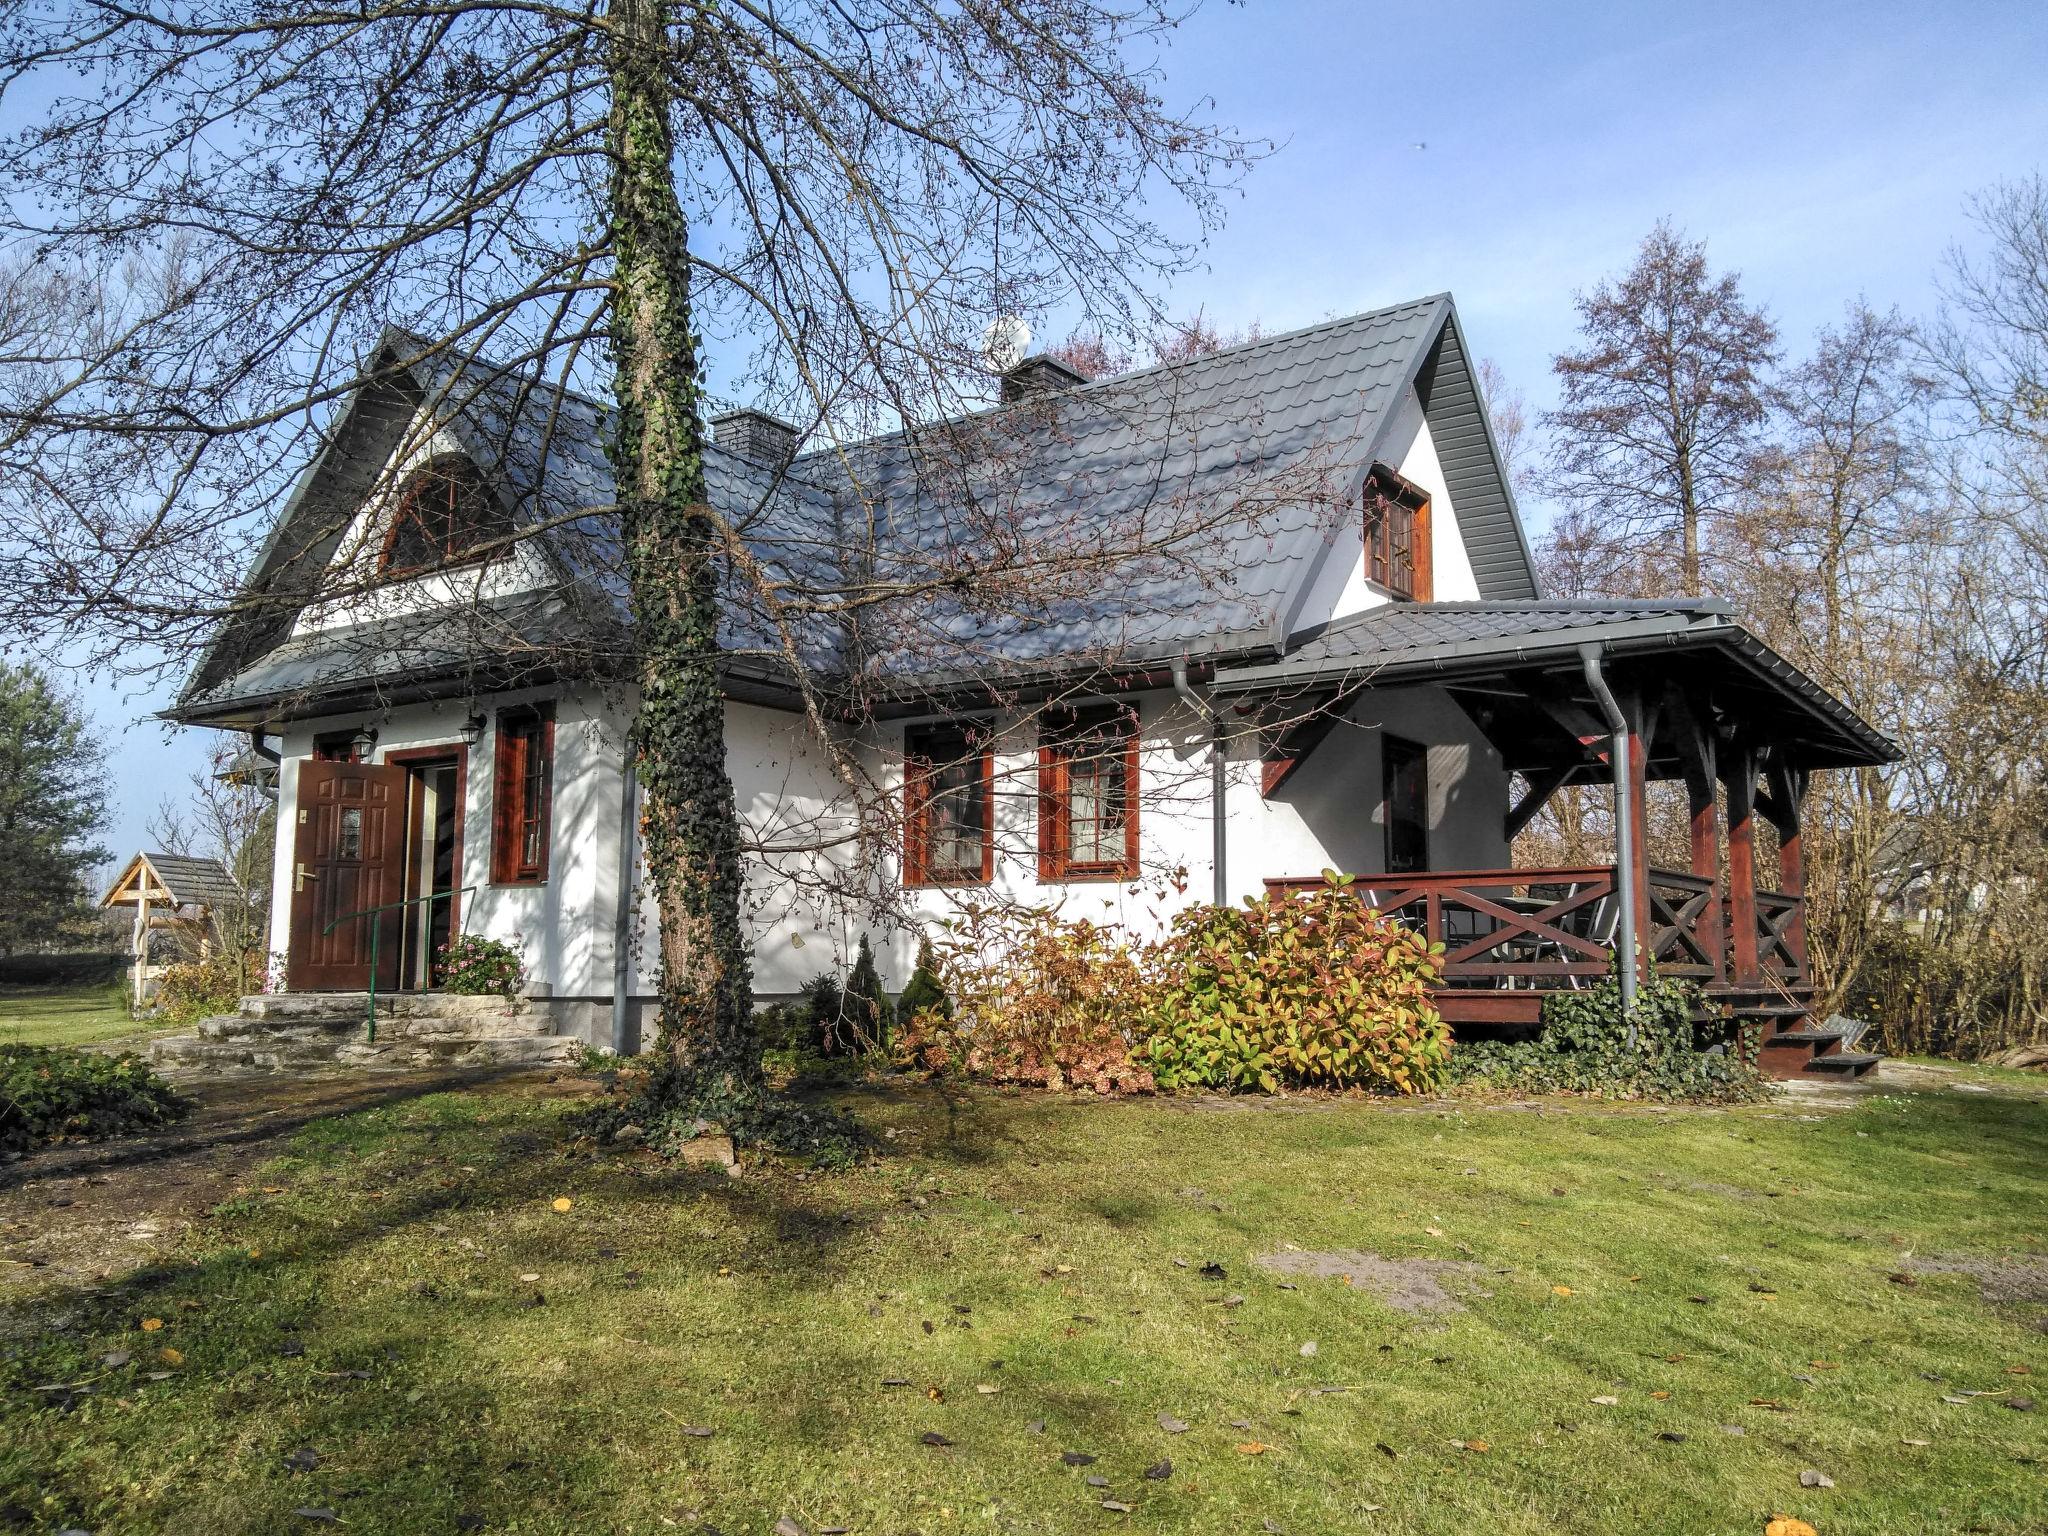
<point>1843,1063</point>
<point>284,1053</point>
<point>319,1007</point>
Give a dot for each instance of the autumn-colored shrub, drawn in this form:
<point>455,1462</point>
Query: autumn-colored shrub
<point>1037,1000</point>
<point>1297,989</point>
<point>199,989</point>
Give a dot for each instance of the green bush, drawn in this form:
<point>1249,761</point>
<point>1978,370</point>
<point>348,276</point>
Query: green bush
<point>473,966</point>
<point>1583,1046</point>
<point>67,970</point>
<point>1307,989</point>
<point>47,1092</point>
<point>867,1005</point>
<point>924,992</point>
<point>825,1007</point>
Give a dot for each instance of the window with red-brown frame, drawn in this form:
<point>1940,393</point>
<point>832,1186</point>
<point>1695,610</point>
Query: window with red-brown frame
<point>522,797</point>
<point>1398,535</point>
<point>949,810</point>
<point>440,515</point>
<point>1088,795</point>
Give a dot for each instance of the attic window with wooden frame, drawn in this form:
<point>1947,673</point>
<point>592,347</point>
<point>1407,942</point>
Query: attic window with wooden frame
<point>441,513</point>
<point>949,805</point>
<point>1397,534</point>
<point>522,796</point>
<point>1088,796</point>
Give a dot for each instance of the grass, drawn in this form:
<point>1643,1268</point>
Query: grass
<point>367,1302</point>
<point>64,1015</point>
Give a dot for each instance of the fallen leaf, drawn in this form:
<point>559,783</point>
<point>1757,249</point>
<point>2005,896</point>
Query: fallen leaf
<point>529,1277</point>
<point>1116,1506</point>
<point>1824,1365</point>
<point>1212,1271</point>
<point>1812,1479</point>
<point>1479,1446</point>
<point>2020,1404</point>
<point>321,1513</point>
<point>2019,1370</point>
<point>788,1527</point>
<point>1904,1440</point>
<point>1035,1427</point>
<point>1078,1458</point>
<point>1661,1397</point>
<point>986,1388</point>
<point>304,1459</point>
<point>1560,1290</point>
<point>113,1360</point>
<point>1785,1525</point>
<point>563,1202</point>
<point>1948,1398</point>
<point>1159,1471</point>
<point>1434,1231</point>
<point>1252,1448</point>
<point>1172,1425</point>
<point>1605,1402</point>
<point>1308,1349</point>
<point>1095,1480</point>
<point>1672,1436</point>
<point>1903,1279</point>
<point>151,1324</point>
<point>933,1437</point>
<point>173,1357</point>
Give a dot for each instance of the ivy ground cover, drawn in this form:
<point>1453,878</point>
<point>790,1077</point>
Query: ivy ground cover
<point>1037,1314</point>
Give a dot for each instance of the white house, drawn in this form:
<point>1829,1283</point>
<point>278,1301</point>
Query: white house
<point>1344,660</point>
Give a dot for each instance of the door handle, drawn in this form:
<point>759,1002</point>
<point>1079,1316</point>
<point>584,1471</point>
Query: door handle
<point>301,875</point>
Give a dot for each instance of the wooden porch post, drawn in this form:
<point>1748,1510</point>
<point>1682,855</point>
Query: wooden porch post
<point>1788,794</point>
<point>1741,783</point>
<point>1698,747</point>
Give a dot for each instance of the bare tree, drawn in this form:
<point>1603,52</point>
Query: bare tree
<point>1513,429</point>
<point>591,194</point>
<point>1661,406</point>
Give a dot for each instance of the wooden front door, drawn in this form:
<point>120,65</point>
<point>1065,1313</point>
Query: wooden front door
<point>348,854</point>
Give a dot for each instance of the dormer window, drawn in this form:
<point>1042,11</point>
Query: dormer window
<point>1397,534</point>
<point>441,514</point>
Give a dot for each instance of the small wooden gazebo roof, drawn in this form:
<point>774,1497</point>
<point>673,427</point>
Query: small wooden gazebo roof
<point>172,879</point>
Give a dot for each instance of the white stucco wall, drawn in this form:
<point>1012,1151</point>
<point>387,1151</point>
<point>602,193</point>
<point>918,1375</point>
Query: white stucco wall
<point>1328,815</point>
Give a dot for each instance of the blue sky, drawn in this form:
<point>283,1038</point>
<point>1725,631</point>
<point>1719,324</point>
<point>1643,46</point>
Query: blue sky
<point>1824,150</point>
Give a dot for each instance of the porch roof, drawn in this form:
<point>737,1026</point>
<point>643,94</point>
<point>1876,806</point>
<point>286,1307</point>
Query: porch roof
<point>1543,717</point>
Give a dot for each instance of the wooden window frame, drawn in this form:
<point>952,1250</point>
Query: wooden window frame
<point>510,771</point>
<point>340,747</point>
<point>1398,532</point>
<point>457,544</point>
<point>925,750</point>
<point>1061,734</point>
<point>1415,751</point>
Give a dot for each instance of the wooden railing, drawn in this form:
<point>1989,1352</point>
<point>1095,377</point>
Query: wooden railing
<point>1541,930</point>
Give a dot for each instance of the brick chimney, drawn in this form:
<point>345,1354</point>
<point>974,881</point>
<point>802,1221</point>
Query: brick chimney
<point>755,435</point>
<point>1039,375</point>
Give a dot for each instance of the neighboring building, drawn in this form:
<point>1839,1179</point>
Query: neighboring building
<point>1351,667</point>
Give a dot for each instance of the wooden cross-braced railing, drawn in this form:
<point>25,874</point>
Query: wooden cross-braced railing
<point>1511,935</point>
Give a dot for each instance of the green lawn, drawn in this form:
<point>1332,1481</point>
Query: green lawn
<point>64,1015</point>
<point>401,1299</point>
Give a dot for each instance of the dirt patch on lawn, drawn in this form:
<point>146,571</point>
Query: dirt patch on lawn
<point>1413,1286</point>
<point>2001,1282</point>
<point>75,1213</point>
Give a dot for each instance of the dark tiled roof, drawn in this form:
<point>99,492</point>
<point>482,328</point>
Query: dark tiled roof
<point>1254,446</point>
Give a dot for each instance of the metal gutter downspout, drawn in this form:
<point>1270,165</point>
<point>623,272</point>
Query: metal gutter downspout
<point>1624,828</point>
<point>622,914</point>
<point>275,759</point>
<point>1218,779</point>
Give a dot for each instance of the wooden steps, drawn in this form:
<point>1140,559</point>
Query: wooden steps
<point>1790,1044</point>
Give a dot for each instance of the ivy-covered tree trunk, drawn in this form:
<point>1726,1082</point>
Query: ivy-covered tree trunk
<point>690,829</point>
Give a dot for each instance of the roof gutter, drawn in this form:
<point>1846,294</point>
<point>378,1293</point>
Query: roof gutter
<point>1624,830</point>
<point>1219,781</point>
